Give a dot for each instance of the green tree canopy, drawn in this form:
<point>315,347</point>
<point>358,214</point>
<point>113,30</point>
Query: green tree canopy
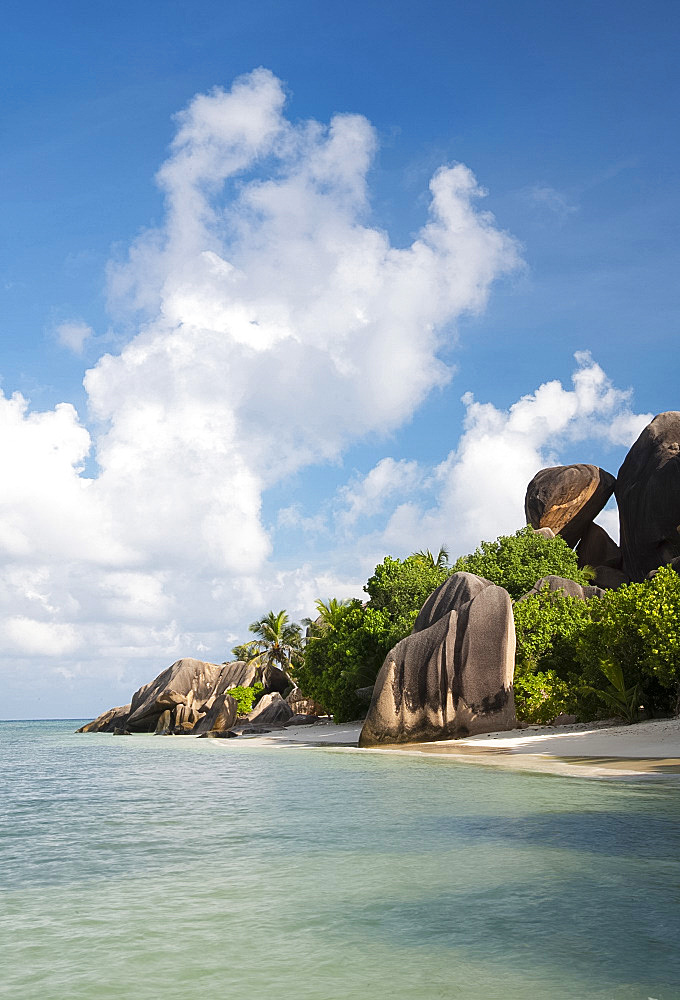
<point>517,561</point>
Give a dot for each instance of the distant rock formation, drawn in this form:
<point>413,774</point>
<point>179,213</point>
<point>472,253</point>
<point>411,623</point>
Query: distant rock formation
<point>558,584</point>
<point>566,498</point>
<point>453,675</point>
<point>177,699</point>
<point>648,495</point>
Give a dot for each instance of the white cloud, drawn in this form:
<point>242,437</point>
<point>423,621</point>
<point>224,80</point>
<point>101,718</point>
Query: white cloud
<point>276,326</point>
<point>479,488</point>
<point>73,335</point>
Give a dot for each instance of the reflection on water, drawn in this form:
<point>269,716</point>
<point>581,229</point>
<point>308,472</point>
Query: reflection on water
<point>148,868</point>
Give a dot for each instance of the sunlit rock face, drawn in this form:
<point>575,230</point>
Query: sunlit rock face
<point>178,698</point>
<point>452,676</point>
<point>648,496</point>
<point>566,498</point>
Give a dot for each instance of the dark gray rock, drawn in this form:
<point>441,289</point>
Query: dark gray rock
<point>452,678</point>
<point>558,584</point>
<point>276,679</point>
<point>301,720</point>
<point>648,495</point>
<point>609,578</point>
<point>271,710</point>
<point>566,498</point>
<point>597,548</point>
<point>365,694</point>
<point>674,564</point>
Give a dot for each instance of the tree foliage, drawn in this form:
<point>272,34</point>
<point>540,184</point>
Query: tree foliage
<point>517,561</point>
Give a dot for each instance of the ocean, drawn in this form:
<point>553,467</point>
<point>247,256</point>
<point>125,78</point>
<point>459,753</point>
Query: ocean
<point>166,868</point>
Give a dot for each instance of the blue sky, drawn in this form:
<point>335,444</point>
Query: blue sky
<point>200,477</point>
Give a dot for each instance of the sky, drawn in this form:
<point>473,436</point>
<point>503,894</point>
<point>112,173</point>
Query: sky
<point>289,287</point>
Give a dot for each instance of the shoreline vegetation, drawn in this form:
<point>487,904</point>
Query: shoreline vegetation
<point>555,626</point>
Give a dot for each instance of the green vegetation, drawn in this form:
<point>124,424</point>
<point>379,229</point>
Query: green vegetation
<point>517,561</point>
<point>604,656</point>
<point>588,658</point>
<point>246,696</point>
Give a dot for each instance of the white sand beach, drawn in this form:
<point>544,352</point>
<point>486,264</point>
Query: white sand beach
<point>585,750</point>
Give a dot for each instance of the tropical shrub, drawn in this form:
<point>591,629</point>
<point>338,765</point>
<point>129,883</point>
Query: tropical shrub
<point>246,696</point>
<point>547,627</point>
<point>400,587</point>
<point>517,561</point>
<point>346,656</point>
<point>637,629</point>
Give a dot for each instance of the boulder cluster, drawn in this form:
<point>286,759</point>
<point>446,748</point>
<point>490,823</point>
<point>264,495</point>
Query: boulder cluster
<point>453,675</point>
<point>192,697</point>
<point>567,498</point>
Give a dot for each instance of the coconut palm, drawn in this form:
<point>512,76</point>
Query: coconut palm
<point>329,615</point>
<point>278,640</point>
<point>441,562</point>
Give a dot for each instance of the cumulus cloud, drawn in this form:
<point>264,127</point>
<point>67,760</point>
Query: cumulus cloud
<point>276,325</point>
<point>478,490</point>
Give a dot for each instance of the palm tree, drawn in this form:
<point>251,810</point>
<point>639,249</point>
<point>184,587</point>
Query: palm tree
<point>441,562</point>
<point>278,641</point>
<point>329,615</point>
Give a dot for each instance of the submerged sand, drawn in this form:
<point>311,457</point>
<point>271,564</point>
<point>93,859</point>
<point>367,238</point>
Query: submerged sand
<point>586,749</point>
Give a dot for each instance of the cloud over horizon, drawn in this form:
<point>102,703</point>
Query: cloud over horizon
<point>276,326</point>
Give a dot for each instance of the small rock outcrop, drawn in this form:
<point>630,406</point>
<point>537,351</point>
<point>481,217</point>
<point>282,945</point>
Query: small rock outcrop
<point>114,718</point>
<point>558,584</point>
<point>648,495</point>
<point>219,718</point>
<point>304,706</point>
<point>566,498</point>
<point>271,710</point>
<point>452,676</point>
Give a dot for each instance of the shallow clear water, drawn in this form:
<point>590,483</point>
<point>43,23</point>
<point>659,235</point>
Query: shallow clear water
<point>148,867</point>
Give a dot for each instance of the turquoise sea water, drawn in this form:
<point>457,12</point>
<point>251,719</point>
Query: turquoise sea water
<point>148,867</point>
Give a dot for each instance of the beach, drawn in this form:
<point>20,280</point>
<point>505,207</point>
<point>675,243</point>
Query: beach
<point>585,749</point>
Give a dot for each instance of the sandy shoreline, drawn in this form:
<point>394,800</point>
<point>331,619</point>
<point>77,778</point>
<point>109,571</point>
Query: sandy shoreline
<point>584,750</point>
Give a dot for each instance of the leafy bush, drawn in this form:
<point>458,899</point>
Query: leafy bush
<point>637,628</point>
<point>541,696</point>
<point>400,587</point>
<point>548,627</point>
<point>346,656</point>
<point>246,696</point>
<point>517,561</point>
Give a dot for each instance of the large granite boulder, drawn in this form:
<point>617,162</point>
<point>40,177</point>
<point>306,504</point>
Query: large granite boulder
<point>187,682</point>
<point>453,676</point>
<point>185,691</point>
<point>558,584</point>
<point>648,495</point>
<point>219,718</point>
<point>566,498</point>
<point>114,718</point>
<point>271,710</point>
